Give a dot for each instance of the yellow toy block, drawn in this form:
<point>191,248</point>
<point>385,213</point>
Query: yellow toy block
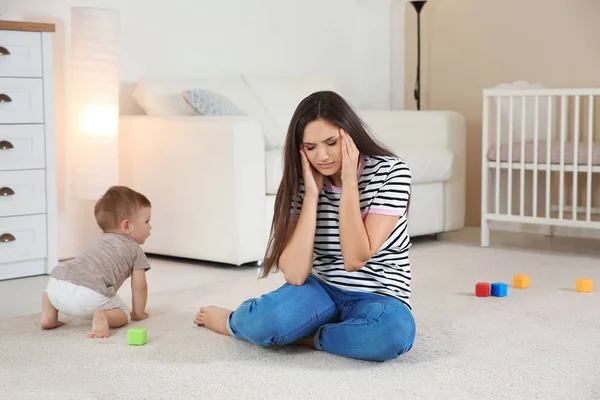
<point>584,285</point>
<point>521,281</point>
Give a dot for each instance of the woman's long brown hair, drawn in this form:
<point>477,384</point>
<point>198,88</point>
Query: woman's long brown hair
<point>332,108</point>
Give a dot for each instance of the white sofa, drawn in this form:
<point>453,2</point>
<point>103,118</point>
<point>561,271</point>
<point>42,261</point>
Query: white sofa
<point>212,180</point>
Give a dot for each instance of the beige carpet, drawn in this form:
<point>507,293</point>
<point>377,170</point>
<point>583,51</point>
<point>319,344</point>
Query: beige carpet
<point>539,343</point>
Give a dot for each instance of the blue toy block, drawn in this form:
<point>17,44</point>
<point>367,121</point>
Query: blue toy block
<point>499,289</point>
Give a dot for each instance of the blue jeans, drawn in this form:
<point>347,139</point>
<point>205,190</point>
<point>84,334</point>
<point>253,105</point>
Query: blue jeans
<point>352,324</point>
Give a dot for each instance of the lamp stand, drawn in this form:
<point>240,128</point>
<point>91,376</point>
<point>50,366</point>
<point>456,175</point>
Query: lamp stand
<point>418,5</point>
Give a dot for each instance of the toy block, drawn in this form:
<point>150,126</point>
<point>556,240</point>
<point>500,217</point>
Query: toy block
<point>137,336</point>
<point>482,289</point>
<point>521,281</point>
<point>584,285</point>
<point>499,289</point>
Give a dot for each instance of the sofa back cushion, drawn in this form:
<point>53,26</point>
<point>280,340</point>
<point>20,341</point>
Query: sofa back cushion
<point>269,100</point>
<point>280,97</point>
<point>165,97</point>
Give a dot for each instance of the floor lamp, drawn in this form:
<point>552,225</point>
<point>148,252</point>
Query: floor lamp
<point>95,100</point>
<point>418,5</point>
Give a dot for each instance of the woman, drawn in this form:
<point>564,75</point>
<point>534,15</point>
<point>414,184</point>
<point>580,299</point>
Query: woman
<point>339,235</point>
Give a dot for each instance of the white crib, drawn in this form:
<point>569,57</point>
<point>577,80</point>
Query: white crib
<point>540,157</point>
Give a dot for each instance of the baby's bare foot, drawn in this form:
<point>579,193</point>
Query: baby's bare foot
<point>214,318</point>
<point>100,327</point>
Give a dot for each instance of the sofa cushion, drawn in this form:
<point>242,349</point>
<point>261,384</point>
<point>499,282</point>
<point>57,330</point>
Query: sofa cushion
<point>426,165</point>
<point>274,169</point>
<point>165,97</point>
<point>281,95</point>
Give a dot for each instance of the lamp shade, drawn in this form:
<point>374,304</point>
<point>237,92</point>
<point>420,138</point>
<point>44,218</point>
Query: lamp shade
<point>418,4</point>
<point>94,101</point>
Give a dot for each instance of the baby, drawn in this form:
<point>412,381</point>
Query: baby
<point>87,285</point>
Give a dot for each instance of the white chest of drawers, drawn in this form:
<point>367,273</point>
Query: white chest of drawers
<point>28,192</point>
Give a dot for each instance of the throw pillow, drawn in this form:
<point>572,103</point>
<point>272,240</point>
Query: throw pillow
<point>209,102</point>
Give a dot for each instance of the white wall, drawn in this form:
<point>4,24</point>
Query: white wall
<point>397,81</point>
<point>350,40</point>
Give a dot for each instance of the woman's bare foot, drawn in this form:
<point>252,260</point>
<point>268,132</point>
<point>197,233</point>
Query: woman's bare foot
<point>49,318</point>
<point>100,328</point>
<point>307,341</point>
<point>214,318</point>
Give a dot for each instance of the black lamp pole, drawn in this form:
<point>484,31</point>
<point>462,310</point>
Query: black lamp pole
<point>418,5</point>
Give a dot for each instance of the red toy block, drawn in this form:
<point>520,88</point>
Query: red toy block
<point>482,289</point>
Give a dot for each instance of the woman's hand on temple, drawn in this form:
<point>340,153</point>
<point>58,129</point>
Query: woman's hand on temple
<point>349,158</point>
<point>313,179</point>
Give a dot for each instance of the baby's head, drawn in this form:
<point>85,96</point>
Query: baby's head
<point>124,211</point>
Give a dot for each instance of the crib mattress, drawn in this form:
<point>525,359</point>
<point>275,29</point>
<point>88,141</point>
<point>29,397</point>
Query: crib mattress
<point>569,153</point>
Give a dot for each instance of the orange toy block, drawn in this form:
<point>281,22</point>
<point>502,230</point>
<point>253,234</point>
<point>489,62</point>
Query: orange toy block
<point>521,281</point>
<point>584,285</point>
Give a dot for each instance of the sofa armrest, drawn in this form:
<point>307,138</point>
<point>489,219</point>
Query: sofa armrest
<point>205,177</point>
<point>418,129</point>
<point>407,129</point>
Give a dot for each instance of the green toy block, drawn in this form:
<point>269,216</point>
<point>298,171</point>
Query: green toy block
<point>137,336</point>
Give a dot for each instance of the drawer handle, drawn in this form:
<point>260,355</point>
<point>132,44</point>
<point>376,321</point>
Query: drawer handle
<point>7,237</point>
<point>5,145</point>
<point>6,191</point>
<point>4,98</point>
<point>4,51</point>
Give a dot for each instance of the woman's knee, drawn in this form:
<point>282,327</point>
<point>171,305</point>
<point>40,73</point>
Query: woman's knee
<point>274,317</point>
<point>250,322</point>
<point>398,344</point>
<point>395,337</point>
<point>258,322</point>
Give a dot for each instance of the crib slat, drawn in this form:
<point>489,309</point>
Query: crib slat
<point>522,180</point>
<point>548,155</point>
<point>536,127</point>
<point>563,131</point>
<point>485,172</point>
<point>498,144</point>
<point>510,155</point>
<point>575,157</point>
<point>588,202</point>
